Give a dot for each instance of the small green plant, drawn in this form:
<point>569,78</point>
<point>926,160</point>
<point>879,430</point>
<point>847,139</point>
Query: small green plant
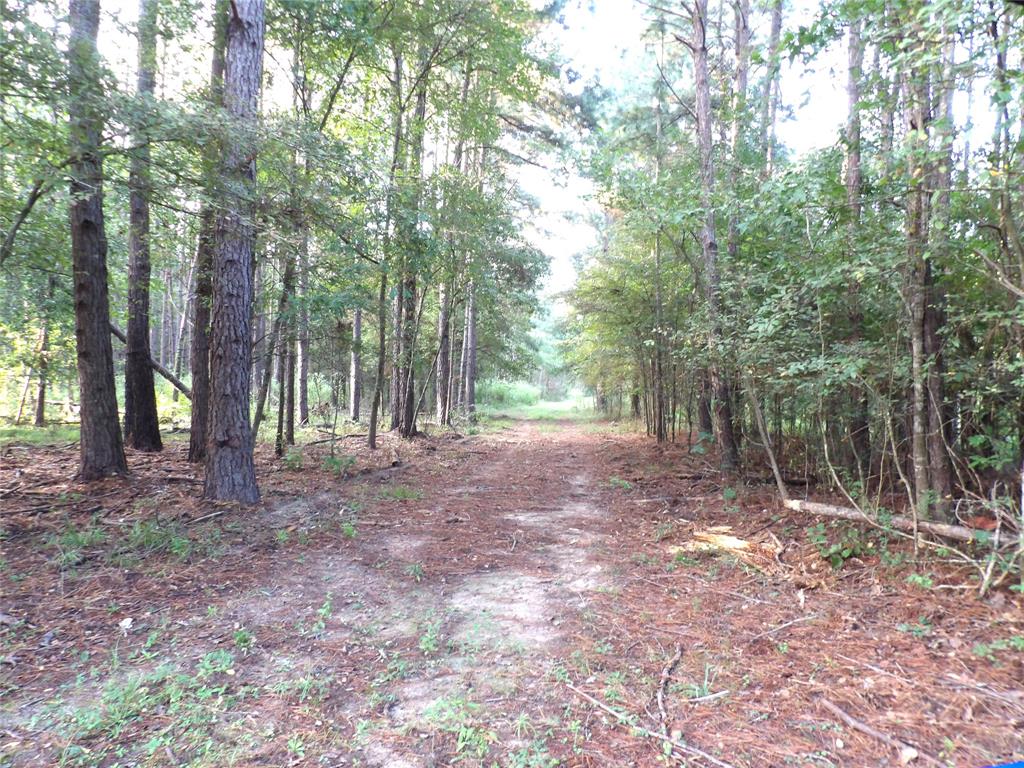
<point>215,662</point>
<point>244,640</point>
<point>847,542</point>
<point>281,537</point>
<point>618,482</point>
<point>293,459</point>
<point>415,571</point>
<point>323,615</point>
<point>703,688</point>
<point>988,650</point>
<point>924,581</point>
<point>920,629</point>
<point>339,466</point>
<point>348,530</point>
<point>430,639</point>
<point>72,543</point>
<point>296,746</point>
<point>729,493</point>
<point>401,493</point>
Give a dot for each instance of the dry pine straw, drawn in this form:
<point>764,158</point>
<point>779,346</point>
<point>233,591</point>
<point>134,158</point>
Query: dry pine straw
<point>776,640</point>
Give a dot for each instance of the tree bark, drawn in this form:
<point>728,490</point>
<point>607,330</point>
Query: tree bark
<point>916,99</point>
<point>443,373</point>
<point>230,467</point>
<point>355,372</point>
<point>709,242</point>
<point>141,422</point>
<point>200,353</point>
<point>469,397</point>
<point>860,435</point>
<point>382,298</point>
<point>101,449</point>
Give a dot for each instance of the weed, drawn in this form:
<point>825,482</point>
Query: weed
<point>618,482</point>
<point>988,650</point>
<point>920,629</point>
<point>244,640</point>
<point>924,581</point>
<point>702,689</point>
<point>72,543</point>
<point>415,571</point>
<point>339,465</point>
<point>847,542</point>
<point>729,493</point>
<point>296,746</point>
<point>430,640</point>
<point>401,493</point>
<point>323,614</point>
<point>348,530</point>
<point>293,459</point>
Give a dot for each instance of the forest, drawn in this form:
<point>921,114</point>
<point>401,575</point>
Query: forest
<point>326,437</point>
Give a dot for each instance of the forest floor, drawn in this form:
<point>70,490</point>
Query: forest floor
<point>545,592</point>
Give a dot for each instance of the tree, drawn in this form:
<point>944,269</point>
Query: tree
<point>199,359</point>
<point>141,423</point>
<point>230,468</point>
<point>101,449</point>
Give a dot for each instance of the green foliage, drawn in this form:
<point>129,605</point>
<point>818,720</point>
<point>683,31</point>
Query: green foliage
<point>500,393</point>
<point>837,543</point>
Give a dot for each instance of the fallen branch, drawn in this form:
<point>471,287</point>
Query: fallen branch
<point>783,626</point>
<point>907,751</point>
<point>666,675</point>
<point>899,522</point>
<point>178,385</point>
<point>624,720</point>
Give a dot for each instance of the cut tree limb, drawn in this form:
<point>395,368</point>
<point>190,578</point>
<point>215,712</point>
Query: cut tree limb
<point>899,522</point>
<point>178,384</point>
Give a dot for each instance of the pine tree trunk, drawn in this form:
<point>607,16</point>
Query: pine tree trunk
<point>101,449</point>
<point>230,468</point>
<point>355,371</point>
<point>471,350</point>
<point>199,359</point>
<point>443,373</point>
<point>709,243</point>
<point>141,422</point>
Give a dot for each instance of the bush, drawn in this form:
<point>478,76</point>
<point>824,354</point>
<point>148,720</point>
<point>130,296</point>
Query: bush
<point>495,392</point>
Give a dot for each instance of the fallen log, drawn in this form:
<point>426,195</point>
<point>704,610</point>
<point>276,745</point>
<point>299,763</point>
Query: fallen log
<point>178,384</point>
<point>899,522</point>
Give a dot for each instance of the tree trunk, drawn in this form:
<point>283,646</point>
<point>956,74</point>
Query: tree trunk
<point>860,435</point>
<point>709,243</point>
<point>200,354</point>
<point>469,397</point>
<point>382,298</point>
<point>303,320</point>
<point>230,468</point>
<point>141,422</point>
<point>770,97</point>
<point>443,374</point>
<point>42,366</point>
<point>355,372</point>
<point>101,449</point>
<point>916,100</point>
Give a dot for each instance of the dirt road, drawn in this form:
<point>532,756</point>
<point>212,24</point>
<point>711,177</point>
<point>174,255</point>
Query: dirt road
<point>536,596</point>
